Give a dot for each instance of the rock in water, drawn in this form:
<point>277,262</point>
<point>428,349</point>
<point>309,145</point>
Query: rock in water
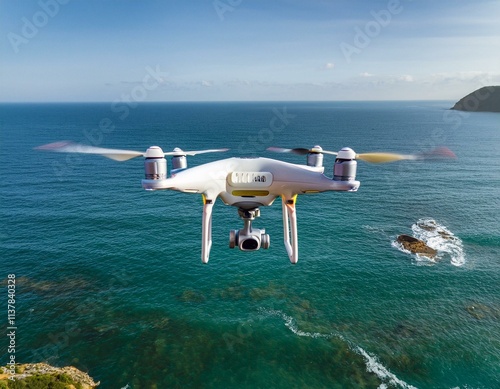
<point>485,99</point>
<point>416,246</point>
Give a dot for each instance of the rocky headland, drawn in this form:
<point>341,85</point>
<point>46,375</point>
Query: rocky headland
<point>485,99</point>
<point>41,375</point>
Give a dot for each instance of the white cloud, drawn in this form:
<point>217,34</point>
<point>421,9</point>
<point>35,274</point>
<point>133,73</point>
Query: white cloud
<point>478,76</point>
<point>330,65</point>
<point>366,74</point>
<point>406,77</point>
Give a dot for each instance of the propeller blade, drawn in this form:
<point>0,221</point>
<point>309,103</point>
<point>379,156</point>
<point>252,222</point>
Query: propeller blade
<point>179,152</point>
<point>437,153</point>
<point>301,150</point>
<point>298,151</point>
<point>70,147</point>
<point>384,157</point>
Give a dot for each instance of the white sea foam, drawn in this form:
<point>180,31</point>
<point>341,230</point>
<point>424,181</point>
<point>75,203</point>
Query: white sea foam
<point>438,237</point>
<point>374,366</point>
<point>292,325</point>
<point>372,363</point>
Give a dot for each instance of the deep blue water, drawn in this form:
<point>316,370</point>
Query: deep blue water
<point>109,277</point>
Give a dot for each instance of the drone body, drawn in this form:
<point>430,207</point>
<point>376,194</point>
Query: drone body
<point>247,183</point>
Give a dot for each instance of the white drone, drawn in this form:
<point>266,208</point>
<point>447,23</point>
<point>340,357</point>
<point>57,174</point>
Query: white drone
<point>247,183</point>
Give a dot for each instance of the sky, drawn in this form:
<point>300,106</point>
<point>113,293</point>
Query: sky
<point>246,50</point>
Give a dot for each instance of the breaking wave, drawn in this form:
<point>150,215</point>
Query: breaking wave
<point>291,324</point>
<point>371,362</point>
<point>439,238</point>
<point>374,366</point>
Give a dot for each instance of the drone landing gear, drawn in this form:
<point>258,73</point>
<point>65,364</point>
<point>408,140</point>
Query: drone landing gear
<point>290,228</point>
<point>248,238</point>
<point>206,233</point>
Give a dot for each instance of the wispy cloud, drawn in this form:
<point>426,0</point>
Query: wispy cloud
<point>467,76</point>
<point>406,78</point>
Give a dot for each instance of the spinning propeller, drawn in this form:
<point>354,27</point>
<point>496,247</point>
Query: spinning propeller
<point>440,152</point>
<point>117,154</point>
<point>302,151</point>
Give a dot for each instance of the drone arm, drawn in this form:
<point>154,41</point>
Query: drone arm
<point>206,233</point>
<point>290,228</point>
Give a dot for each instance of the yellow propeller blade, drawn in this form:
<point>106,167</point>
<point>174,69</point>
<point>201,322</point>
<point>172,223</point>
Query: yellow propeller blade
<point>383,157</point>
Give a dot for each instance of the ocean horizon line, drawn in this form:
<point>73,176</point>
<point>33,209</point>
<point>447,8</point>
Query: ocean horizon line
<point>222,101</point>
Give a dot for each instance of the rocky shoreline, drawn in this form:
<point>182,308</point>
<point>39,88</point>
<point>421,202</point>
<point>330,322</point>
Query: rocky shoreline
<point>41,374</point>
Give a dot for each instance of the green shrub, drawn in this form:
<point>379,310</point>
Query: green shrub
<point>42,381</point>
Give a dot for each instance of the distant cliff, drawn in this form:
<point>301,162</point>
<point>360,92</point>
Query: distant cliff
<point>485,99</point>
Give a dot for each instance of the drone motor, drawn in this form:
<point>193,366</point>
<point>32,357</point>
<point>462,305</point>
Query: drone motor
<point>315,157</point>
<point>179,162</point>
<point>345,165</point>
<point>155,168</point>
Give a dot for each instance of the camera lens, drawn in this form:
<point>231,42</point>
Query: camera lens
<point>250,244</point>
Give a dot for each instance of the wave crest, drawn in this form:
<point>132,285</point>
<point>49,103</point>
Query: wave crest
<point>371,362</point>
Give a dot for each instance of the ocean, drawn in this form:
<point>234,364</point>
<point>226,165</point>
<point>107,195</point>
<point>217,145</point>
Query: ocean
<point>109,277</point>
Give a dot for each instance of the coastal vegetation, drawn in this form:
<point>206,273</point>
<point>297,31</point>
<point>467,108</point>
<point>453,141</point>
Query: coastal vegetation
<point>43,376</point>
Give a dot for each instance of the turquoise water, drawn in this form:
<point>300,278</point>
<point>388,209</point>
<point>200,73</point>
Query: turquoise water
<point>109,277</point>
